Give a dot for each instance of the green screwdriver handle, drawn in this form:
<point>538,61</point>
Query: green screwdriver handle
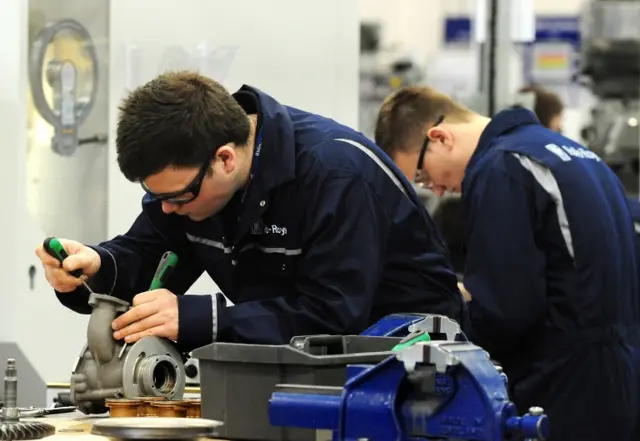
<point>55,249</point>
<point>165,268</point>
<point>411,340</point>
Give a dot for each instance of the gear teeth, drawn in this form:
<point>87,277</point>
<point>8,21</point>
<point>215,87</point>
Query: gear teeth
<point>27,430</point>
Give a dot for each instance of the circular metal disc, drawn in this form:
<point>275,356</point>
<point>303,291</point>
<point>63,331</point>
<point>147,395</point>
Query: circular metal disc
<point>150,428</point>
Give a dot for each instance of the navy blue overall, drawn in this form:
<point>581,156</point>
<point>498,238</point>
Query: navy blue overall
<point>552,269</point>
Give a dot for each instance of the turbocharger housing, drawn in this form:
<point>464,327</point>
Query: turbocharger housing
<point>108,368</point>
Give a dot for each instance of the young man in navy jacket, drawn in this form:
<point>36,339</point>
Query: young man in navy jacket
<point>304,224</point>
<point>551,257</point>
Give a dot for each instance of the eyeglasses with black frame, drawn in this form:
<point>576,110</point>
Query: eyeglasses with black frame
<point>422,177</point>
<point>187,194</point>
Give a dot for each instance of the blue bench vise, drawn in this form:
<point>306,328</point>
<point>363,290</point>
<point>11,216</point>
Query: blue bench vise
<point>444,390</point>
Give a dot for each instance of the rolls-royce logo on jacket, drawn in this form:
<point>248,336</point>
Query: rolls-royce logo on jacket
<point>259,228</point>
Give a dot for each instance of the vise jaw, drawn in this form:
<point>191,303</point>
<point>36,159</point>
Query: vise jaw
<point>108,368</point>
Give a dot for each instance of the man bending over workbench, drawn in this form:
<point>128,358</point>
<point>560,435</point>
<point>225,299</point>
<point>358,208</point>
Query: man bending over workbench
<point>302,222</point>
<point>550,269</point>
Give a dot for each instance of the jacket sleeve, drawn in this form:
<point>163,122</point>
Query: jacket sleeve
<point>345,232</point>
<point>505,269</point>
<point>129,261</point>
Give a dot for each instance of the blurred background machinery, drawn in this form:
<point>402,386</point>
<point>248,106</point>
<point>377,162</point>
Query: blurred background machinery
<point>610,66</point>
<point>382,70</point>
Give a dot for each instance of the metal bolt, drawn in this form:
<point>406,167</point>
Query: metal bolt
<point>10,410</point>
<point>263,203</point>
<point>536,411</point>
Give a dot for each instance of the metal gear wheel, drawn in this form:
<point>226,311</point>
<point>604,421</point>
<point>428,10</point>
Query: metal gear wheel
<point>25,430</point>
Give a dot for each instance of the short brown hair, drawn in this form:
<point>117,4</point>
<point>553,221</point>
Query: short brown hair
<point>548,104</point>
<point>177,119</point>
<point>405,113</point>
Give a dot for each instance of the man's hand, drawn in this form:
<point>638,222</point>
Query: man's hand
<point>153,313</point>
<point>80,257</point>
<point>465,293</point>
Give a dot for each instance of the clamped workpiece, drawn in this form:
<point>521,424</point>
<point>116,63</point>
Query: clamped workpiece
<point>428,390</point>
<point>106,368</point>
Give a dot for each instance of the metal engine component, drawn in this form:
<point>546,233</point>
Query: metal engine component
<point>11,428</point>
<point>112,369</point>
<point>156,428</point>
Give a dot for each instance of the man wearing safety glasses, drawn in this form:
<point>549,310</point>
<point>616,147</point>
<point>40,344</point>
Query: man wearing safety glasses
<point>551,264</point>
<point>304,224</point>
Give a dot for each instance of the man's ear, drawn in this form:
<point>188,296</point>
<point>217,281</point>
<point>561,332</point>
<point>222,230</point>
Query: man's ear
<point>228,157</point>
<point>441,136</point>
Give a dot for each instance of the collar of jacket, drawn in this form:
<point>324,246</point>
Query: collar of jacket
<point>501,124</point>
<point>277,155</point>
<point>276,164</point>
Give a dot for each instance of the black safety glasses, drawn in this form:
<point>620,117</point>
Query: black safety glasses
<point>422,177</point>
<point>187,194</point>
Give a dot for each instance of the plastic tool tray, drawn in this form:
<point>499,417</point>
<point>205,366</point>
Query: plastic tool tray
<point>237,380</point>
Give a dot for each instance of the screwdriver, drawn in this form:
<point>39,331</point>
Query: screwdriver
<point>166,266</point>
<point>412,339</point>
<point>55,249</point>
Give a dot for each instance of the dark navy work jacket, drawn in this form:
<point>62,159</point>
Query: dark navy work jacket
<point>331,237</point>
<point>551,266</point>
<point>634,208</point>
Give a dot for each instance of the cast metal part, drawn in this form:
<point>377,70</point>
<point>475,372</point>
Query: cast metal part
<point>69,110</point>
<point>110,369</point>
<point>11,428</point>
<point>151,370</point>
<point>156,428</point>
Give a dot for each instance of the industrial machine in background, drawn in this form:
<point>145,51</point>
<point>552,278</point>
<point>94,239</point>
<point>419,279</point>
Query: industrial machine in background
<point>72,76</point>
<point>382,70</point>
<point>610,64</point>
